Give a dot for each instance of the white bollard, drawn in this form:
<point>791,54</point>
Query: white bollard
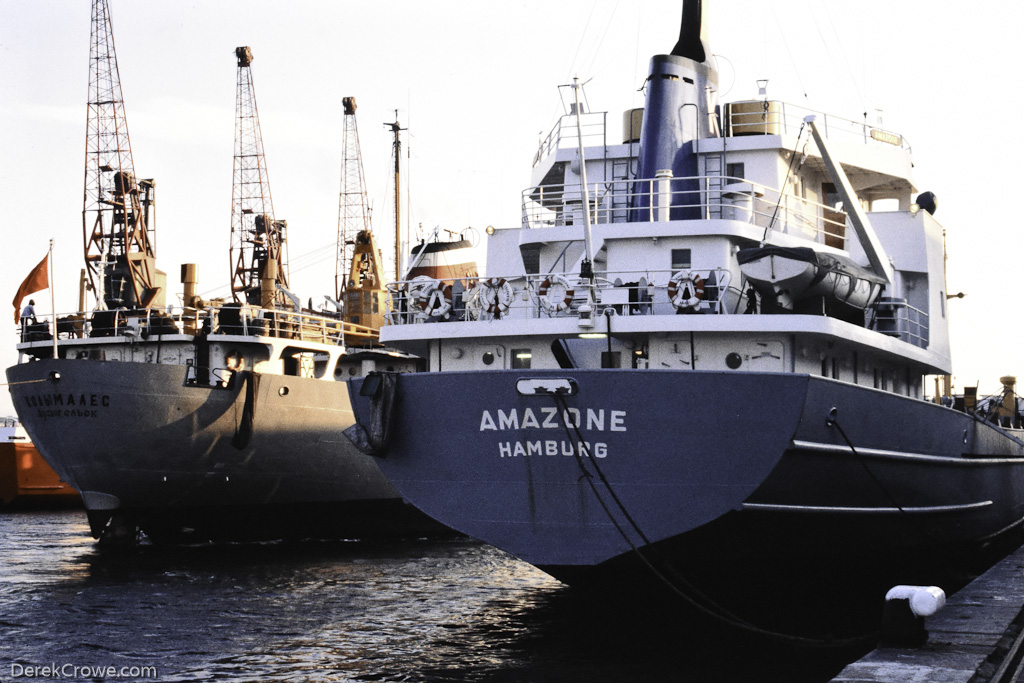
<point>904,613</point>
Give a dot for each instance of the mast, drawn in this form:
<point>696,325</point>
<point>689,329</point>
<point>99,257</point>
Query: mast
<point>118,237</point>
<point>587,269</point>
<point>258,257</point>
<point>397,151</point>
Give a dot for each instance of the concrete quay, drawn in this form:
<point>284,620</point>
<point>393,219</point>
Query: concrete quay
<point>978,637</point>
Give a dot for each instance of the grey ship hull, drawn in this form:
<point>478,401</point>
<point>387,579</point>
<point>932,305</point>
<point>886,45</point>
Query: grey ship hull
<point>146,447</point>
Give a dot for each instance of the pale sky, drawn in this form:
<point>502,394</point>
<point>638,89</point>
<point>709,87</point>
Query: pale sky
<point>476,83</point>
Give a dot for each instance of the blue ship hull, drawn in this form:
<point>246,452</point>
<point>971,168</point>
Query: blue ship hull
<point>711,471</point>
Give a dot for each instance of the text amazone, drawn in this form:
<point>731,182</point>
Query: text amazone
<point>548,418</point>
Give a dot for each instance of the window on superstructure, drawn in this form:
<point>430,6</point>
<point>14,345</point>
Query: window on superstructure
<point>290,362</point>
<point>521,359</point>
<point>735,171</point>
<point>531,259</point>
<point>680,258</point>
<point>834,220</point>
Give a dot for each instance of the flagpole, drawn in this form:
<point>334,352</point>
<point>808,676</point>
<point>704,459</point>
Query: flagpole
<point>53,306</point>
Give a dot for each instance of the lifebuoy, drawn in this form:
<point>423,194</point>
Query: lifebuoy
<point>556,294</point>
<point>497,295</point>
<point>418,285</point>
<point>686,290</point>
<point>436,299</point>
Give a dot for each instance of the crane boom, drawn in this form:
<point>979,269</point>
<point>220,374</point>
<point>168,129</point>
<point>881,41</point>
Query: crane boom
<point>353,208</point>
<point>118,236</point>
<point>257,254</point>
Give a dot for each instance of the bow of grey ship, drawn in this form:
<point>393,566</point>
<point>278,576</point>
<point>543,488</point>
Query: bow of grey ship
<point>689,359</point>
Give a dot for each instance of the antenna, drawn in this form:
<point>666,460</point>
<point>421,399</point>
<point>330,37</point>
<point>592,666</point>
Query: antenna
<point>258,256</point>
<point>118,236</point>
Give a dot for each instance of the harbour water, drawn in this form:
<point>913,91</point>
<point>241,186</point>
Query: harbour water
<point>452,610</point>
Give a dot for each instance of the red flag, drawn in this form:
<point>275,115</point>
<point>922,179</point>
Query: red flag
<point>36,281</point>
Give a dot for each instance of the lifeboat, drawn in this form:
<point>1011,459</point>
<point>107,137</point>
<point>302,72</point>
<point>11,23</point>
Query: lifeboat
<point>792,274</point>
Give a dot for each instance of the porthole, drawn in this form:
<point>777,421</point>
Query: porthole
<point>488,358</point>
<point>734,360</point>
<point>283,391</point>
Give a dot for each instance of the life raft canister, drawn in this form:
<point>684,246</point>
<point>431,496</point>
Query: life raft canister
<point>435,299</point>
<point>686,290</point>
<point>556,294</point>
<point>497,295</point>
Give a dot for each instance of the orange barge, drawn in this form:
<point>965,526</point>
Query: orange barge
<point>26,480</point>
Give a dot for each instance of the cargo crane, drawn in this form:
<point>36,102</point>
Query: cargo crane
<point>359,277</point>
<point>259,270</point>
<point>118,235</point>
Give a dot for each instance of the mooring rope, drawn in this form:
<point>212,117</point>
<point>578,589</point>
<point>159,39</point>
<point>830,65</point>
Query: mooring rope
<point>24,381</point>
<point>832,420</point>
<point>680,587</point>
<point>711,608</point>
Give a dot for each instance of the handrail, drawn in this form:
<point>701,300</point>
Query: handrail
<point>897,318</point>
<point>212,319</point>
<point>627,293</point>
<point>771,117</point>
<point>556,295</point>
<point>712,196</point>
<point>563,134</point>
<point>776,117</point>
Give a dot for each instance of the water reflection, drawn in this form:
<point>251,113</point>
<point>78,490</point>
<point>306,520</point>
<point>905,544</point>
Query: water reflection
<point>335,611</point>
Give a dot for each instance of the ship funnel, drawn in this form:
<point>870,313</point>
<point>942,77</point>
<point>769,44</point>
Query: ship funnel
<point>690,44</point>
<point>682,94</point>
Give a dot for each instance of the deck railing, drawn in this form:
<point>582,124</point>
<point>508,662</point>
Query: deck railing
<point>557,295</point>
<point>222,319</point>
<point>897,318</point>
<point>775,117</point>
<point>769,117</point>
<point>563,135</point>
<point>561,295</point>
<point>701,197</point>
